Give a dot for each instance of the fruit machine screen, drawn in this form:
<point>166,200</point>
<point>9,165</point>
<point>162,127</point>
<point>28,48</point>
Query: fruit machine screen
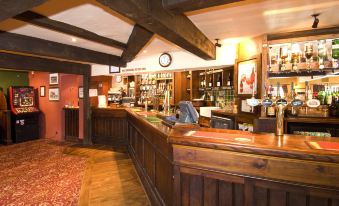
<point>22,100</point>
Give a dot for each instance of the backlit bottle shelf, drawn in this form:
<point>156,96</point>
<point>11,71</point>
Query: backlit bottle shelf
<point>304,72</point>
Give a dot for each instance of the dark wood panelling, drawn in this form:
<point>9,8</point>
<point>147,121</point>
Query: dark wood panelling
<point>212,176</point>
<point>43,21</point>
<point>71,124</point>
<point>225,193</point>
<point>196,190</point>
<point>5,127</point>
<point>261,196</point>
<point>295,199</point>
<point>149,160</point>
<point>151,153</point>
<point>109,127</point>
<point>164,178</point>
<point>210,191</point>
<point>201,190</point>
<point>277,197</point>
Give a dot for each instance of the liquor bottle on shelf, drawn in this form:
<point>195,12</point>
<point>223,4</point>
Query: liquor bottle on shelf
<point>308,54</point>
<point>210,83</point>
<point>283,56</point>
<point>334,107</point>
<point>329,96</point>
<point>335,53</point>
<point>295,57</point>
<point>219,80</point>
<point>270,111</point>
<point>229,79</point>
<point>321,53</point>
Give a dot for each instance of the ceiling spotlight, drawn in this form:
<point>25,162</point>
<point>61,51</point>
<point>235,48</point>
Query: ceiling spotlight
<point>217,43</point>
<point>316,21</point>
<point>74,39</point>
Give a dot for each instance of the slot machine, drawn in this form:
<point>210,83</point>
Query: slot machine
<point>25,113</point>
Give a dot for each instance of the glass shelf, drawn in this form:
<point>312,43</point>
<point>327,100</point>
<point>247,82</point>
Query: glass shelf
<point>304,72</point>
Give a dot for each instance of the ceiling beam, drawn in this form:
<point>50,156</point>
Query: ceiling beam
<point>191,5</point>
<point>28,63</point>
<point>137,40</point>
<point>31,45</point>
<point>45,22</point>
<point>176,28</point>
<point>10,8</point>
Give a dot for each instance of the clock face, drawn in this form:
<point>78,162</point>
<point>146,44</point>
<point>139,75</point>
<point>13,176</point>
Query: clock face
<point>118,79</point>
<point>165,59</point>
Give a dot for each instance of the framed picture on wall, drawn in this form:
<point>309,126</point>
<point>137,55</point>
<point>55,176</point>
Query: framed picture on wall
<point>247,77</point>
<point>54,94</point>
<point>81,92</point>
<point>114,69</point>
<point>42,91</point>
<point>54,79</point>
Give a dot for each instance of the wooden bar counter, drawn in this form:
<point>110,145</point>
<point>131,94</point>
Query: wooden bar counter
<point>205,166</point>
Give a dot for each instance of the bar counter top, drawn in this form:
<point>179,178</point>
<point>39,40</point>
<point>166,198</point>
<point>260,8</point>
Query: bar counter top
<point>291,146</point>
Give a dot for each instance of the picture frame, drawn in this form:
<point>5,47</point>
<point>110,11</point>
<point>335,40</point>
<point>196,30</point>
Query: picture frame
<point>54,79</point>
<point>81,92</point>
<point>42,91</point>
<point>54,94</point>
<point>114,69</point>
<point>247,77</point>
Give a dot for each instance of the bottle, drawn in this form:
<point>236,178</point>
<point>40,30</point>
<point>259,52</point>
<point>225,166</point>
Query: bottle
<point>329,96</point>
<point>229,79</point>
<point>219,80</point>
<point>321,53</point>
<point>334,107</point>
<point>335,52</point>
<point>210,84</point>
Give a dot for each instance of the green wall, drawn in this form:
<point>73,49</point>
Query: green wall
<point>13,78</point>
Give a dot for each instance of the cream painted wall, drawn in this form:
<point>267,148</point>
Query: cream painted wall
<point>226,55</point>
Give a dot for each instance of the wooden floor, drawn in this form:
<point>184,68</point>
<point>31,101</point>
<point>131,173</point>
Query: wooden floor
<point>110,177</point>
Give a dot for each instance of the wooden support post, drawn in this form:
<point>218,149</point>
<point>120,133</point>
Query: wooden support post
<point>87,110</point>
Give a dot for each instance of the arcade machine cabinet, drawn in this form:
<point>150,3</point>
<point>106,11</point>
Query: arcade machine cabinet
<point>25,114</point>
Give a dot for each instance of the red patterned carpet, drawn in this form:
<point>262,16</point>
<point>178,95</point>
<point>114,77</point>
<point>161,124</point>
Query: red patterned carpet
<point>38,173</point>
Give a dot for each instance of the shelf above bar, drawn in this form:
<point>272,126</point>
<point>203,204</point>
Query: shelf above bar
<point>304,72</point>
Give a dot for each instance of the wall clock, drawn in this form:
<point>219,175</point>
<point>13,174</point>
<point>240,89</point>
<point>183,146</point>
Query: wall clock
<point>118,78</point>
<point>165,59</point>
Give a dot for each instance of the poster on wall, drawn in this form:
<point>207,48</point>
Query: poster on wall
<point>54,79</point>
<point>42,91</point>
<point>81,92</point>
<point>93,92</point>
<point>247,77</point>
<point>53,94</point>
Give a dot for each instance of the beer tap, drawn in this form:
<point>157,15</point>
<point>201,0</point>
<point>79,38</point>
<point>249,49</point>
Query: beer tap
<point>280,104</point>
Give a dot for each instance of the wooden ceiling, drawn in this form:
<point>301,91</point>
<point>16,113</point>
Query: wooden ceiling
<point>164,18</point>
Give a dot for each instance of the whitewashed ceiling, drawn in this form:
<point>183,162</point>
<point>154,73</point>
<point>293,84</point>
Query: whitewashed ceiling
<point>234,21</point>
